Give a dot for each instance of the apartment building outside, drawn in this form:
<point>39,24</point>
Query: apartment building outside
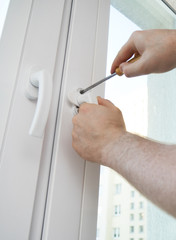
<point>125,216</point>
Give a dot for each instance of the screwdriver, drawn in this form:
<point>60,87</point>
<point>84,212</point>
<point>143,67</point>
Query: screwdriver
<point>117,72</point>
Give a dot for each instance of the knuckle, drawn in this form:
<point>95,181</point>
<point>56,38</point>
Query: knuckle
<point>74,120</point>
<point>76,147</point>
<point>74,135</point>
<point>73,145</point>
<point>108,101</point>
<point>119,111</point>
<point>135,34</point>
<point>84,107</point>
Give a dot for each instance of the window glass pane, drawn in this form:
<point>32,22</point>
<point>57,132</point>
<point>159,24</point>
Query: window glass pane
<point>118,188</point>
<point>131,216</point>
<point>4,4</point>
<point>117,210</point>
<point>144,101</point>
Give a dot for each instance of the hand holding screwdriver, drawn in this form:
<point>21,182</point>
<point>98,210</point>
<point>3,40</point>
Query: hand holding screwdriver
<point>157,49</point>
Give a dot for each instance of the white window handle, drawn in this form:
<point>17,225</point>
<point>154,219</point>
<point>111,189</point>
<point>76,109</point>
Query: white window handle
<point>41,80</point>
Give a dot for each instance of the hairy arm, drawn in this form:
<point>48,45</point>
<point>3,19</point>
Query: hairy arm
<point>99,135</point>
<point>149,166</point>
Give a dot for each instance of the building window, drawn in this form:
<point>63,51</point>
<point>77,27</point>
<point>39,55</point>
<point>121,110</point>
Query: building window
<point>141,216</point>
<point>141,229</point>
<point>117,210</point>
<point>131,229</point>
<point>132,217</point>
<point>132,205</point>
<point>118,188</point>
<point>132,193</point>
<point>116,232</point>
<point>141,205</point>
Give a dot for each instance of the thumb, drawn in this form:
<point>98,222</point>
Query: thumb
<point>136,68</point>
<point>105,102</point>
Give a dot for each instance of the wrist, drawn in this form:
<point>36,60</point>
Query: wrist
<point>114,153</point>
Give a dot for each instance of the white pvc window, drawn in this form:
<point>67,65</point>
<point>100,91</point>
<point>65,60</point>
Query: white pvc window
<point>25,160</point>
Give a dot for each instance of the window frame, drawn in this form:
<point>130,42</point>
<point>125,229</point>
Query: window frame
<point>83,216</point>
<point>10,60</point>
<point>25,158</point>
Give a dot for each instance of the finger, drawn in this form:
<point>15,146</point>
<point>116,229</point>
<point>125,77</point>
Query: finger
<point>84,107</point>
<point>126,52</point>
<point>105,102</point>
<point>140,67</point>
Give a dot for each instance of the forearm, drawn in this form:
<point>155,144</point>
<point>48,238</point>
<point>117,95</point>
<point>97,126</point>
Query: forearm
<point>149,166</point>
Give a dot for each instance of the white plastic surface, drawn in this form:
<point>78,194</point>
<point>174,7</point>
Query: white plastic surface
<point>25,161</point>
<point>71,208</point>
<point>10,55</point>
<point>41,80</point>
<point>76,98</point>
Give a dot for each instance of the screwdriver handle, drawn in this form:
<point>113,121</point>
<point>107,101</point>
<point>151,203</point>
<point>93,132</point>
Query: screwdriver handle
<point>134,59</point>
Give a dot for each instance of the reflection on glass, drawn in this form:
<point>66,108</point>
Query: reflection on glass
<point>123,213</point>
<point>4,4</point>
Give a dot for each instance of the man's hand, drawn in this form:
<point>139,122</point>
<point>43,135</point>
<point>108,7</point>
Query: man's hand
<point>95,127</point>
<point>157,49</point>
